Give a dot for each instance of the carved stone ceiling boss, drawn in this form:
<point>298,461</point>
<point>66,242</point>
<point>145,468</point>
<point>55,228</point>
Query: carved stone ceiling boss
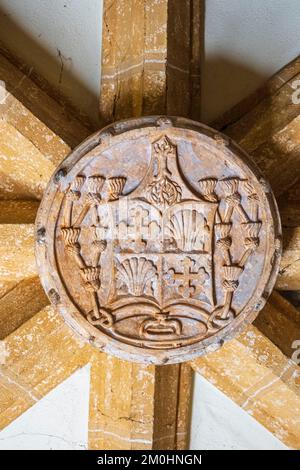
<point>158,239</point>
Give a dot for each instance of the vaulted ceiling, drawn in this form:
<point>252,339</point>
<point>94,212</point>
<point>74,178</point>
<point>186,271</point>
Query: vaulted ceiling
<point>37,350</point>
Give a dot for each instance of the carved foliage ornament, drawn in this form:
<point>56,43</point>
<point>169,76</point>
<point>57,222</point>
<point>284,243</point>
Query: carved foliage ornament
<point>159,242</point>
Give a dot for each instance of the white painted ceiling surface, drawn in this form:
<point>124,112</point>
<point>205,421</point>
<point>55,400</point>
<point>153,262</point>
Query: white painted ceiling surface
<point>61,40</point>
<point>58,421</point>
<point>218,423</point>
<point>245,43</point>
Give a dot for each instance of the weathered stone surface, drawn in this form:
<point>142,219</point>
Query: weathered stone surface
<point>151,56</point>
<point>36,115</point>
<point>280,322</point>
<point>258,377</point>
<point>34,359</point>
<point>18,211</point>
<point>289,206</point>
<point>36,133</point>
<point>158,240</point>
<point>30,149</point>
<point>160,77</point>
<point>268,128</point>
<point>31,117</point>
<point>152,414</point>
<point>21,303</point>
<point>266,91</point>
<point>289,273</point>
<point>19,402</point>
<point>24,170</point>
<point>16,254</point>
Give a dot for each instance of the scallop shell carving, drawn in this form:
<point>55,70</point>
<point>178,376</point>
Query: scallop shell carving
<point>136,276</point>
<point>185,230</point>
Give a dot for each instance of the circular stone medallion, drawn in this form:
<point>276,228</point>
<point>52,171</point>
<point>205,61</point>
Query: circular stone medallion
<point>158,239</point>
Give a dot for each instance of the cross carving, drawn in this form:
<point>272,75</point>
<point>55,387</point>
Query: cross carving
<point>163,148</point>
<point>139,228</point>
<point>100,229</point>
<point>139,231</point>
<point>189,280</point>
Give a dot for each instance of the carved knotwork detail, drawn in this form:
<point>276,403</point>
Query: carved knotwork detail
<point>163,190</point>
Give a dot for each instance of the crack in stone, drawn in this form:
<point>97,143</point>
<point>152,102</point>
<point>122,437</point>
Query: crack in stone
<point>71,443</point>
<point>284,268</point>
